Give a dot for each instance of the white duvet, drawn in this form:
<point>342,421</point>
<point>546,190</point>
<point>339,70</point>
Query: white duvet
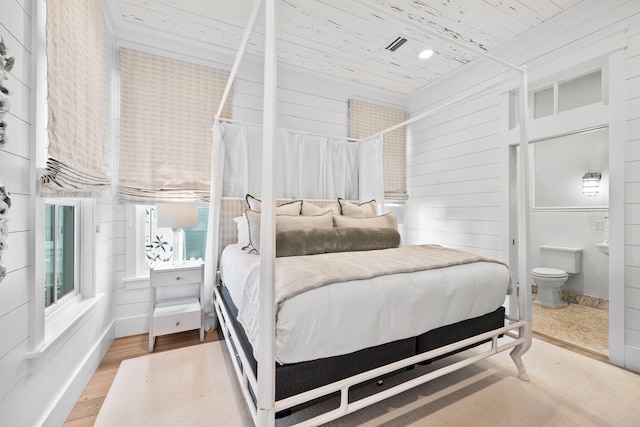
<point>344,317</point>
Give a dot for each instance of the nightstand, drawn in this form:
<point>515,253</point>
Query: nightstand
<point>177,314</point>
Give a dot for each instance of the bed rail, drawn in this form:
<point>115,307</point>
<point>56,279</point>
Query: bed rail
<point>247,380</point>
<point>516,333</point>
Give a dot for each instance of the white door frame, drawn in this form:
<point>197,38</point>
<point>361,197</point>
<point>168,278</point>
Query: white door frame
<point>610,114</point>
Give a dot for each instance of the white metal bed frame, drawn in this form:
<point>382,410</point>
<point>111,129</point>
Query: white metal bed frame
<point>517,330</point>
<point>515,335</point>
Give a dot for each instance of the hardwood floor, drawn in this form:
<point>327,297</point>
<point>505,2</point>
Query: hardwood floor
<point>86,409</point>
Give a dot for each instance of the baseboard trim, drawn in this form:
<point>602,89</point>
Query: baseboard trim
<point>632,358</point>
<point>62,406</point>
<point>134,325</point>
<point>574,298</point>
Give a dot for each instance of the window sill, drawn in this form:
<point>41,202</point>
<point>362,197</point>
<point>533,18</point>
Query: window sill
<point>62,325</point>
<point>137,282</point>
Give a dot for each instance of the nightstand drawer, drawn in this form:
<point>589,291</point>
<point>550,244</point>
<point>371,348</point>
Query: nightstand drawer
<point>165,278</point>
<point>176,317</point>
<point>169,312</point>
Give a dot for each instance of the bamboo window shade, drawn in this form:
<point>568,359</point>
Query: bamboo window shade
<point>77,150</point>
<point>167,112</point>
<point>366,119</point>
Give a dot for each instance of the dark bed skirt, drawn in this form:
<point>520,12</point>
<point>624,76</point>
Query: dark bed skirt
<point>295,378</point>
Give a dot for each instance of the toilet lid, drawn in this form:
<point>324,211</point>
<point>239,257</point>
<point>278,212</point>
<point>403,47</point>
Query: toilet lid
<point>549,272</point>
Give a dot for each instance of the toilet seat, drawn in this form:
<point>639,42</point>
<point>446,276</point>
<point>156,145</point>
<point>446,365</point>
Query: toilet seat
<point>549,272</point>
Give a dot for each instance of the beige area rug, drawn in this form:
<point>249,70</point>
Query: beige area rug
<point>192,386</point>
<point>565,389</point>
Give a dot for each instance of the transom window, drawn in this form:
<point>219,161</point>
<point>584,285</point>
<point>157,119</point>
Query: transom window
<point>560,96</point>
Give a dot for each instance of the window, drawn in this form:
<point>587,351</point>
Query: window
<point>162,134</point>
<point>61,247</point>
<point>63,290</point>
<point>196,238</point>
<point>159,241</point>
<point>365,119</point>
<point>581,91</point>
<point>543,103</point>
<point>77,97</point>
<point>561,96</point>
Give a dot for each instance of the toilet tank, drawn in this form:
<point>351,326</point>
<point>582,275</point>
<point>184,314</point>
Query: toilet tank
<point>564,258</point>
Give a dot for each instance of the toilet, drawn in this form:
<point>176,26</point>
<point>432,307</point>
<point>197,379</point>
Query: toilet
<point>558,263</point>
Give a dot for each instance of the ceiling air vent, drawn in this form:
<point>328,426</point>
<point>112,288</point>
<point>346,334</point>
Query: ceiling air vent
<point>394,45</point>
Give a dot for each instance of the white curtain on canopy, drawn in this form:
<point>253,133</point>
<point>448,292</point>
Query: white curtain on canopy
<point>307,166</point>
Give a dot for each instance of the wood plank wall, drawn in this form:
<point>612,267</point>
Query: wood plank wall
<point>42,390</point>
<point>455,165</point>
<point>15,166</point>
<point>632,193</point>
<point>454,173</point>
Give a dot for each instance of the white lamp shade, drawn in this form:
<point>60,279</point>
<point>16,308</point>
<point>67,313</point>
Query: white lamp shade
<point>177,215</point>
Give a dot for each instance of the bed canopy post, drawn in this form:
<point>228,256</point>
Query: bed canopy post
<point>238,58</point>
<point>217,168</point>
<point>523,293</point>
<point>266,340</point>
<point>524,286</point>
<point>524,205</point>
<point>424,114</point>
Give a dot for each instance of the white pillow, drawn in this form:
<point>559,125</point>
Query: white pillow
<point>388,220</point>
<point>362,210</point>
<point>309,208</point>
<point>243,230</point>
<point>287,208</point>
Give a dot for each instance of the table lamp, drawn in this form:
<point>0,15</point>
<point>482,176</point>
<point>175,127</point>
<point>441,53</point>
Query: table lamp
<point>177,216</point>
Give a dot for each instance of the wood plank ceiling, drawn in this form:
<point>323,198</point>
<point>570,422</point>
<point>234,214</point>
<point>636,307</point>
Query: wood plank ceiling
<point>347,38</point>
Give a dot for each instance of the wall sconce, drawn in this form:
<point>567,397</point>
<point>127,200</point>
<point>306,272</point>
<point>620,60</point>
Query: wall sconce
<point>591,183</point>
<point>177,216</point>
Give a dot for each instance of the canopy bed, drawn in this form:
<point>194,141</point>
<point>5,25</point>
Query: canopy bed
<point>385,309</point>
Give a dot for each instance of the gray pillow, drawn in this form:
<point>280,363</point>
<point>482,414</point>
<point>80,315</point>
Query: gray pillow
<point>337,239</point>
<point>285,223</point>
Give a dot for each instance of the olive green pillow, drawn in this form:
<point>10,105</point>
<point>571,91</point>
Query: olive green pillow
<point>284,223</point>
<point>337,239</point>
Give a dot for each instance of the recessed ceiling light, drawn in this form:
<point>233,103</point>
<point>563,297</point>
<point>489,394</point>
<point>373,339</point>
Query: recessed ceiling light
<point>427,53</point>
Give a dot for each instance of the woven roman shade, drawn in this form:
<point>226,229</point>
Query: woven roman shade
<point>166,114</point>
<point>77,99</point>
<point>365,119</point>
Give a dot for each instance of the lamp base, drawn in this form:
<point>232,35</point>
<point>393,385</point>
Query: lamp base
<point>178,247</point>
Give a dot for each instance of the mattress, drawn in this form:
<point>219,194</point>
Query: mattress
<point>345,317</point>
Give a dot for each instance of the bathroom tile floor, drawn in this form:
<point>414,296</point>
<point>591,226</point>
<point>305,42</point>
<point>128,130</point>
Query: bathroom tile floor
<point>575,324</point>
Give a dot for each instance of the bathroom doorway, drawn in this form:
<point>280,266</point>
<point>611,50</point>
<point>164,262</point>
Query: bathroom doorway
<point>566,211</point>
